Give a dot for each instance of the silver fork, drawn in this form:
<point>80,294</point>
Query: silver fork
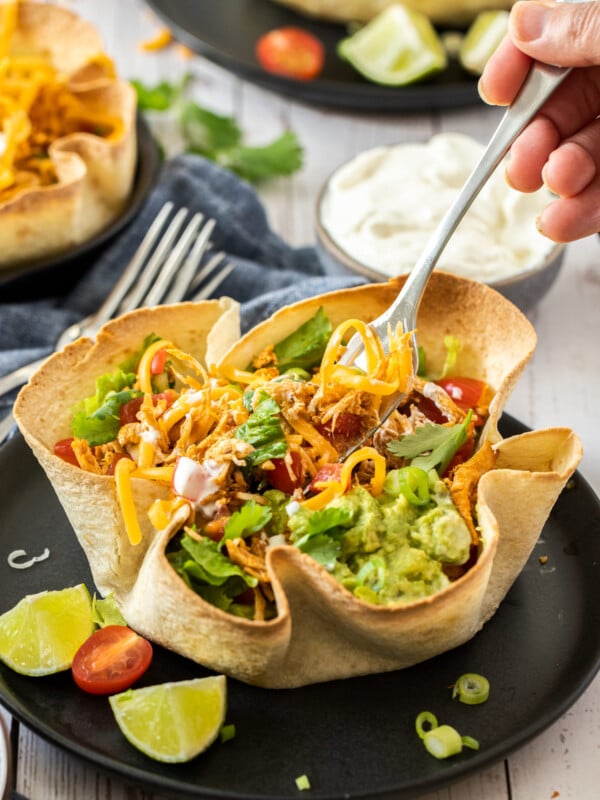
<point>540,83</point>
<point>161,271</point>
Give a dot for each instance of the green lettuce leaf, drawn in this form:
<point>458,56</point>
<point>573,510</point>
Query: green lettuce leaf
<point>264,432</point>
<point>304,347</point>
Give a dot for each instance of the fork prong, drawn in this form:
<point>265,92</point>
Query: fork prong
<point>123,285</point>
<point>172,266</point>
<point>162,253</point>
<point>185,275</point>
<point>215,282</point>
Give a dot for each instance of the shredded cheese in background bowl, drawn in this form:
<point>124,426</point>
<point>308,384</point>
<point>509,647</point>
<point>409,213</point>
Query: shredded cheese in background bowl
<point>63,115</point>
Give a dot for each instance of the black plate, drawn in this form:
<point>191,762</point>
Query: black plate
<point>226,32</point>
<point>353,738</point>
<point>56,273</point>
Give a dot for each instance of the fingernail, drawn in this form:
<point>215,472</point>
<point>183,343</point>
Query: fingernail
<point>538,225</point>
<point>507,177</point>
<point>530,22</point>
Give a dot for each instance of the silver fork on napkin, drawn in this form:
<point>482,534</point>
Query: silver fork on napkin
<point>540,83</point>
<point>161,271</point>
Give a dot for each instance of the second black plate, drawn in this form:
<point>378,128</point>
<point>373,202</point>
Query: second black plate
<point>227,33</point>
<point>353,738</point>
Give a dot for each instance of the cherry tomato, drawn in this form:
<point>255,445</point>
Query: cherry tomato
<point>466,392</point>
<point>292,52</point>
<point>328,472</point>
<point>280,477</point>
<point>63,449</point>
<point>111,660</point>
<point>157,365</point>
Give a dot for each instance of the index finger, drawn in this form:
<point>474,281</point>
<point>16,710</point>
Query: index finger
<point>504,74</point>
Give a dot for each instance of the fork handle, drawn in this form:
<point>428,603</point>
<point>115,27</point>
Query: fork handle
<point>540,83</point>
<point>19,376</point>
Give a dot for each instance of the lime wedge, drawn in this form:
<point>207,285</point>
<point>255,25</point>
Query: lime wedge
<point>172,722</point>
<point>42,633</point>
<point>397,47</point>
<point>482,38</point>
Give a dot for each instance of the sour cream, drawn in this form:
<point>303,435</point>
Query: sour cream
<point>382,207</point>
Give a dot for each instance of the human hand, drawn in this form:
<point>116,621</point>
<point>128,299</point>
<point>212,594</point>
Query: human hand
<point>561,147</point>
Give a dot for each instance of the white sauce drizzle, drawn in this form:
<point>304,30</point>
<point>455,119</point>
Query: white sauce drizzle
<point>15,562</point>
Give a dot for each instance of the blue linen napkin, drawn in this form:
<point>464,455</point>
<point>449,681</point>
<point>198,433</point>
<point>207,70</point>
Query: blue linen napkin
<point>268,274</point>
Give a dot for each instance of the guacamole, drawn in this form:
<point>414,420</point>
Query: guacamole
<point>386,549</point>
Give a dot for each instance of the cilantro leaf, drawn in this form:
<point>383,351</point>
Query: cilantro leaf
<point>249,519</point>
<point>217,137</point>
<point>283,156</point>
<point>207,133</point>
<point>431,446</point>
<point>160,97</point>
<point>319,533</point>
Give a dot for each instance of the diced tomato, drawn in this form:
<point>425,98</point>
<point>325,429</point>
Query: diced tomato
<point>63,449</point>
<point>466,392</point>
<point>431,411</point>
<point>328,472</point>
<point>291,52</point>
<point>111,660</point>
<point>463,454</point>
<point>347,430</point>
<point>280,478</point>
<point>157,365</point>
<point>128,411</point>
<point>113,463</point>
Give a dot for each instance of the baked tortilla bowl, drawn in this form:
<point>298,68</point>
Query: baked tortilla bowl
<point>92,155</point>
<point>321,631</point>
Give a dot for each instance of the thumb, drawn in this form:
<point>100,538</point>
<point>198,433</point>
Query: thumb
<point>566,34</point>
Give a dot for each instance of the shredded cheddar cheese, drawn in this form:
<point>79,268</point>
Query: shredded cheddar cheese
<point>123,471</point>
<point>162,39</point>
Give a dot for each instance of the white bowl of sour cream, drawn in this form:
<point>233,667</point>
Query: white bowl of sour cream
<point>377,211</point>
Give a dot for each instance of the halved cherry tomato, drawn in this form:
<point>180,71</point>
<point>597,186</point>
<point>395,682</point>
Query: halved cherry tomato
<point>466,392</point>
<point>328,472</point>
<point>292,52</point>
<point>280,478</point>
<point>63,449</point>
<point>111,660</point>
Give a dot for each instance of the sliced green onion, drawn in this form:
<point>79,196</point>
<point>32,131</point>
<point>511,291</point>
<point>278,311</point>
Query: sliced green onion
<point>297,373</point>
<point>302,782</point>
<point>227,732</point>
<point>443,741</point>
<point>469,741</point>
<point>428,719</point>
<point>471,689</point>
<point>411,482</point>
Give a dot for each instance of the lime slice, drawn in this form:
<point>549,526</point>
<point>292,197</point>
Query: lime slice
<point>482,38</point>
<point>172,722</point>
<point>42,633</point>
<point>397,47</point>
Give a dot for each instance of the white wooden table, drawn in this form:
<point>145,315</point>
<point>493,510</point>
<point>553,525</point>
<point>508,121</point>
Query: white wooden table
<point>560,387</point>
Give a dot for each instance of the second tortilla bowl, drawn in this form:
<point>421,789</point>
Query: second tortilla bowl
<point>319,629</point>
